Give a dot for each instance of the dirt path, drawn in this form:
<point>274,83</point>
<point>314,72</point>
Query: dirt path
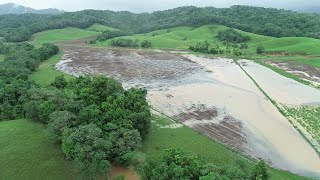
<point>212,96</point>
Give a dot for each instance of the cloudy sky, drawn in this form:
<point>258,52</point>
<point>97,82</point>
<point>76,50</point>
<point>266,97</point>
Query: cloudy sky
<point>152,5</point>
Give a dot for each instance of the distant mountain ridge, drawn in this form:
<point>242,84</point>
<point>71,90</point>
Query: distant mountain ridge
<point>315,9</point>
<point>11,8</point>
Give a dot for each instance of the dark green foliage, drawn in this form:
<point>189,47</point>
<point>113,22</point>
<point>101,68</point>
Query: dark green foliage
<point>59,82</point>
<point>179,164</point>
<point>260,171</point>
<point>125,42</point>
<point>265,21</point>
<point>260,50</point>
<point>109,34</point>
<point>146,44</point>
<point>58,122</point>
<point>119,177</point>
<point>175,164</point>
<point>232,36</point>
<point>21,59</point>
<point>88,147</point>
<point>99,120</point>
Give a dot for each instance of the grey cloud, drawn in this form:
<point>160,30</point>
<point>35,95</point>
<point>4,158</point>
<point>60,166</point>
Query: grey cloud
<point>152,5</point>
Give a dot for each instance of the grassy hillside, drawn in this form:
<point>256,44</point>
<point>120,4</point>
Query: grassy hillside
<point>27,152</point>
<point>100,28</point>
<point>65,34</point>
<point>207,149</point>
<point>46,73</point>
<point>183,37</point>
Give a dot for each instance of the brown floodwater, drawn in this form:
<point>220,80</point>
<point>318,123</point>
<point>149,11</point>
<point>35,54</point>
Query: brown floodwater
<point>211,95</point>
<point>129,174</point>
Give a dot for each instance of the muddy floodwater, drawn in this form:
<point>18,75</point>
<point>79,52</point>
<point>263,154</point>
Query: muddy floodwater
<point>125,172</point>
<point>211,95</point>
<point>280,88</point>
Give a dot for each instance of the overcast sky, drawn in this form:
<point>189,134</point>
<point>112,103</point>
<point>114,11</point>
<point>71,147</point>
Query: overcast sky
<point>152,5</point>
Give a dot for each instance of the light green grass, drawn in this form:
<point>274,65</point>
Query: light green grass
<point>100,28</point>
<point>1,57</point>
<point>65,34</point>
<point>308,117</point>
<point>46,73</point>
<point>27,152</point>
<point>183,37</point>
<point>207,149</point>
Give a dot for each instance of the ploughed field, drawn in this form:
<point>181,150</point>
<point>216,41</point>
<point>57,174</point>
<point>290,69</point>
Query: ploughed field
<point>214,96</point>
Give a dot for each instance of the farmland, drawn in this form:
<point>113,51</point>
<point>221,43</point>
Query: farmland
<point>62,35</point>
<point>223,94</point>
<point>188,93</point>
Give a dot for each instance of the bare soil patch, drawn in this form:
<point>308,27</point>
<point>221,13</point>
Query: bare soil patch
<point>229,131</point>
<point>130,66</point>
<point>307,72</point>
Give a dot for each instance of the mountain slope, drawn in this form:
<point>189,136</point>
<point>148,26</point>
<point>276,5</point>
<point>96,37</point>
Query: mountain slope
<point>12,8</point>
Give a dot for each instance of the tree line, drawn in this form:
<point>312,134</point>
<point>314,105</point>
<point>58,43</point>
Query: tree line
<point>122,42</point>
<point>94,119</point>
<point>264,21</point>
<point>180,164</point>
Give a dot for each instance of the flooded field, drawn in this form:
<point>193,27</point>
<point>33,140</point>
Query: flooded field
<point>211,95</point>
<point>280,88</point>
<point>306,72</point>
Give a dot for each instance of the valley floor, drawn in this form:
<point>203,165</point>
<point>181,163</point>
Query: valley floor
<point>213,96</point>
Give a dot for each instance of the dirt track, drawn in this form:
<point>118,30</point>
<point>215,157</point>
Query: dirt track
<point>212,96</point>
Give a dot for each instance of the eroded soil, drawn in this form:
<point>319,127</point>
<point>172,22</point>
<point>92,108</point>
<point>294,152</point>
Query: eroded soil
<point>306,72</point>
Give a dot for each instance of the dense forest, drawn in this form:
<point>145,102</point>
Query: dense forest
<point>264,21</point>
<point>94,119</point>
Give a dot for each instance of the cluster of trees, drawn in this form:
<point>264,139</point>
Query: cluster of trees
<point>265,21</point>
<point>206,47</point>
<point>232,36</point>
<point>96,121</point>
<point>20,60</point>
<point>179,164</point>
<point>109,34</point>
<point>121,42</point>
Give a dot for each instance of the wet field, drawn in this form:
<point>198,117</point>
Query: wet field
<point>211,95</point>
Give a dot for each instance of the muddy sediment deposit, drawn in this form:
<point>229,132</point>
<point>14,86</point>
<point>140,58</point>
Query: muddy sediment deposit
<point>211,95</point>
<point>306,72</point>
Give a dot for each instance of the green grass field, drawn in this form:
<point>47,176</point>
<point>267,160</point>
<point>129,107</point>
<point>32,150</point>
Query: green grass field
<point>308,117</point>
<point>1,57</point>
<point>100,28</point>
<point>65,34</point>
<point>46,73</point>
<point>207,149</point>
<point>183,37</point>
<point>27,152</point>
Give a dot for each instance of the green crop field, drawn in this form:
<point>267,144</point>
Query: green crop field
<point>308,117</point>
<point>27,152</point>
<point>65,34</point>
<point>46,73</point>
<point>100,28</point>
<point>200,145</point>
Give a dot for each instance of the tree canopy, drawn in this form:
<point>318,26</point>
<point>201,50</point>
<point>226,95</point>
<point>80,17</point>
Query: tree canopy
<point>264,21</point>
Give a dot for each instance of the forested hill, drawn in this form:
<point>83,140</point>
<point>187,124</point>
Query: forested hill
<point>264,21</point>
<point>11,8</point>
